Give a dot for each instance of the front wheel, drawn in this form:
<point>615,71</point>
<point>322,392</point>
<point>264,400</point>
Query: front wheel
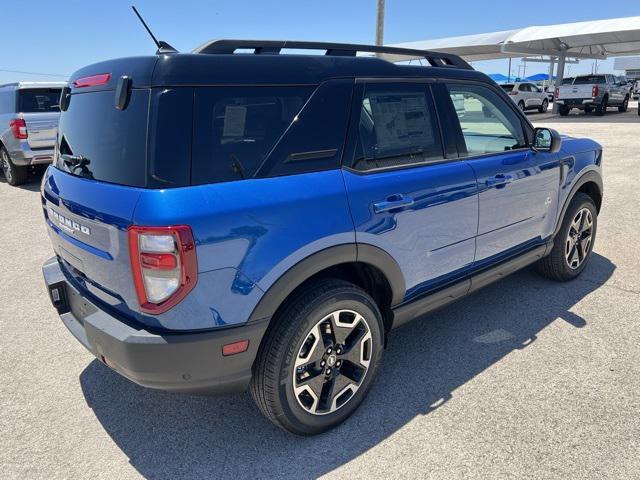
<point>521,105</point>
<point>318,361</point>
<point>573,245</point>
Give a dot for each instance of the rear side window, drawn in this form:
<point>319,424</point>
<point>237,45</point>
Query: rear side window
<point>105,143</point>
<point>235,128</point>
<point>507,88</point>
<point>35,100</point>
<point>398,127</point>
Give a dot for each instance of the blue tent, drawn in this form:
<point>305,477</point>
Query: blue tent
<point>538,77</point>
<point>497,77</point>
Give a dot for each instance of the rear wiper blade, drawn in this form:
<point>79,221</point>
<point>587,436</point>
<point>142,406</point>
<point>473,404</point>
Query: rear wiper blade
<point>237,167</point>
<point>74,160</point>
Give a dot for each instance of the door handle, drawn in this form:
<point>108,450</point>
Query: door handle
<point>392,202</point>
<point>498,181</point>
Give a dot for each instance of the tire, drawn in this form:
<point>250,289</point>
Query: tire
<point>563,110</point>
<point>588,109</point>
<point>561,263</point>
<point>602,108</point>
<point>14,175</point>
<point>544,107</point>
<point>625,105</point>
<point>521,105</point>
<point>299,347</point>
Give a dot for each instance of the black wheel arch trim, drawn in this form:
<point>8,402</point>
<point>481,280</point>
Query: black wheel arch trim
<point>319,261</point>
<point>590,176</point>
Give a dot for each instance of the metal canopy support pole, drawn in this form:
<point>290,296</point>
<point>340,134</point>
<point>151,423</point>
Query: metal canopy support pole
<point>509,74</point>
<point>380,24</point>
<point>551,65</point>
<point>560,76</point>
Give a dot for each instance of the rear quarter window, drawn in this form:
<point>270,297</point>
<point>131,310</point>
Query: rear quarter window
<point>235,128</point>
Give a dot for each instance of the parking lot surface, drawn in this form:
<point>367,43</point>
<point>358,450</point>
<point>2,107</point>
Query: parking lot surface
<point>525,379</point>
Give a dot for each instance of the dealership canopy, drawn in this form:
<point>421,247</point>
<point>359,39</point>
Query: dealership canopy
<point>593,39</point>
<point>596,39</point>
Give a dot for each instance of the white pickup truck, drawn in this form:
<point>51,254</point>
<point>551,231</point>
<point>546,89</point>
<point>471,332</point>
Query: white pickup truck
<point>593,93</point>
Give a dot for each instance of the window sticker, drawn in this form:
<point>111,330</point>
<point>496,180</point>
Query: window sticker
<point>234,121</point>
<point>401,121</point>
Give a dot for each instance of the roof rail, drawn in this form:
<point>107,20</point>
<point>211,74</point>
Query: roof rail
<point>273,47</point>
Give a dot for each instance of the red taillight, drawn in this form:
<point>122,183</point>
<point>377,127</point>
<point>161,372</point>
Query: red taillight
<point>164,265</point>
<point>19,128</point>
<point>557,93</point>
<point>594,91</point>
<point>92,80</point>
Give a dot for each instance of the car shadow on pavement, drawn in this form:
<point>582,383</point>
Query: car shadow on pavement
<point>168,436</point>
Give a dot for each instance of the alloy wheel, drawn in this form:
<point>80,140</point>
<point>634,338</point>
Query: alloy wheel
<point>578,242</point>
<point>332,362</point>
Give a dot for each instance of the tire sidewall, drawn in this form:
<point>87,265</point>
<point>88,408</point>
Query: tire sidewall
<point>301,420</point>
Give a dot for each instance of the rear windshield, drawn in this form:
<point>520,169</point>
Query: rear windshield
<point>100,142</point>
<point>35,100</point>
<point>589,80</point>
<point>567,81</point>
<point>507,87</point>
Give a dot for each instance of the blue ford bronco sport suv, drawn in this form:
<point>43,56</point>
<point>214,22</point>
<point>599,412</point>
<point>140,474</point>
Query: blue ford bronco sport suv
<point>240,217</point>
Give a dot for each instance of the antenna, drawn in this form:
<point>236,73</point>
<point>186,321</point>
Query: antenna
<point>163,47</point>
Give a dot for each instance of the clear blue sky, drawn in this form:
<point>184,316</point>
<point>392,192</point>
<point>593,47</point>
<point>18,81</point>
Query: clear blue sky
<point>60,37</point>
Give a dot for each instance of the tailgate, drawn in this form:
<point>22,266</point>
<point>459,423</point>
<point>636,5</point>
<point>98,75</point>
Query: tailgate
<point>42,129</point>
<point>575,91</point>
<point>87,222</point>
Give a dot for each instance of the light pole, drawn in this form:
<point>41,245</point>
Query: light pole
<point>380,23</point>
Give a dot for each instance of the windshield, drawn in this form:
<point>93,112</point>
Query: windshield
<point>35,100</point>
<point>589,80</point>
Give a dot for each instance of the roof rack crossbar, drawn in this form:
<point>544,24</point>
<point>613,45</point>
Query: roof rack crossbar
<point>274,47</point>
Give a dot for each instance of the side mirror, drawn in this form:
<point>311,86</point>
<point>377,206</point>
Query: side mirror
<point>546,140</point>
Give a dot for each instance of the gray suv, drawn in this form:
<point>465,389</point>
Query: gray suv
<point>29,113</point>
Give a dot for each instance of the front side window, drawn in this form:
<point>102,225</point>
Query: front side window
<point>397,127</point>
<point>487,122</point>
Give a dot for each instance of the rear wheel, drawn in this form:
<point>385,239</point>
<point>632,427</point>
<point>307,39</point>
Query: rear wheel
<point>544,107</point>
<point>521,105</point>
<point>574,243</point>
<point>318,361</point>
<point>588,109</point>
<point>13,174</point>
<point>563,110</point>
<point>625,105</point>
<point>602,108</point>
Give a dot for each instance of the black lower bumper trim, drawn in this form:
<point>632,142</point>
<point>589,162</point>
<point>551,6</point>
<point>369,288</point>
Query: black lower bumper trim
<point>189,362</point>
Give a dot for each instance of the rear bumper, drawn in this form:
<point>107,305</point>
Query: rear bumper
<point>190,362</point>
<point>580,103</point>
<point>25,156</point>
